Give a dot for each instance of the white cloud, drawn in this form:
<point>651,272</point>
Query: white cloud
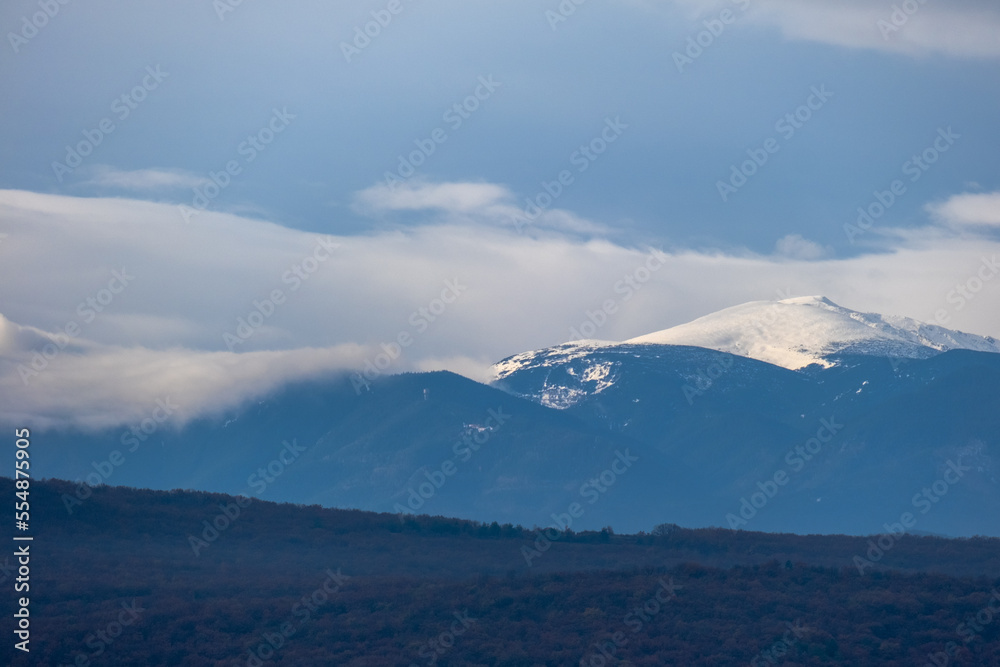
<point>455,197</point>
<point>483,203</point>
<point>969,210</point>
<point>112,385</point>
<point>477,369</point>
<point>966,28</point>
<point>142,179</point>
<point>343,297</point>
<point>795,246</point>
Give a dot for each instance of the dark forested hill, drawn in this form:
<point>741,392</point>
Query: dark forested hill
<point>134,577</point>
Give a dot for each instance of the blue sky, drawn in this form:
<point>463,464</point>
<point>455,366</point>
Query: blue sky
<point>658,184</point>
<point>894,82</point>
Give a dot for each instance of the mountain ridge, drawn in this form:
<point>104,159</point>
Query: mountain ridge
<point>707,428</point>
<point>791,333</point>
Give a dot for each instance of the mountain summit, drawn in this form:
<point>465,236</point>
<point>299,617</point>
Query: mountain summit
<point>720,409</point>
<point>791,333</point>
<point>795,333</point>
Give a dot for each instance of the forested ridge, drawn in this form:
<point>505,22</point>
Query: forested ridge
<point>134,577</point>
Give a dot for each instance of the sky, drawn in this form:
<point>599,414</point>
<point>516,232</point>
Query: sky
<point>206,199</point>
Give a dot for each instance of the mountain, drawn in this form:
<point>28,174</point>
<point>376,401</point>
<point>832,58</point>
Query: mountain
<point>908,400</point>
<point>795,333</point>
<point>629,434</point>
<point>434,443</point>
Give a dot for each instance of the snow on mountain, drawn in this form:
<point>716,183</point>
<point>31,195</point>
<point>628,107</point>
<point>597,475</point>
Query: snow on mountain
<point>559,353</point>
<point>594,377</point>
<point>792,333</point>
<point>797,332</point>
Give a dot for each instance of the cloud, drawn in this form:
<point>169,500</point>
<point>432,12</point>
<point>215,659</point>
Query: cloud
<point>20,341</point>
<point>112,385</point>
<point>966,28</point>
<point>477,369</point>
<point>455,197</point>
<point>794,246</point>
<point>226,308</point>
<point>141,179</point>
<point>55,379</point>
<point>484,203</point>
<point>980,210</point>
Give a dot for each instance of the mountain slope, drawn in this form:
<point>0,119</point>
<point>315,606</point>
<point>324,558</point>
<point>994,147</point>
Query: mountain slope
<point>433,443</point>
<point>634,434</point>
<point>907,399</point>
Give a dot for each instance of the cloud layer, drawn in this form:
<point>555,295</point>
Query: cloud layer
<point>969,210</point>
<point>55,381</point>
<point>965,28</point>
<point>139,180</point>
<point>141,304</point>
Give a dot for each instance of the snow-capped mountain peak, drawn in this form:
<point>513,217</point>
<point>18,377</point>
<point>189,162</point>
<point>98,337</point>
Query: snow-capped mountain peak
<point>797,332</point>
<point>791,333</point>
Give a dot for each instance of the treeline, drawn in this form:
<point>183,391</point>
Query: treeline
<point>169,519</point>
<point>119,581</point>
